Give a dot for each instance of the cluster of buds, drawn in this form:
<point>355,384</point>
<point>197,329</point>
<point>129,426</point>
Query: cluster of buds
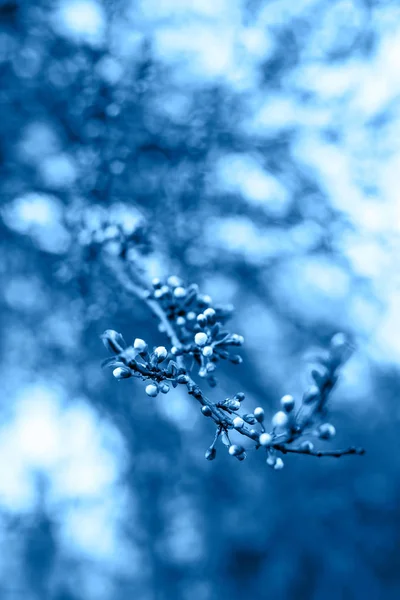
<point>138,361</point>
<point>195,331</point>
<point>291,427</point>
<point>198,325</point>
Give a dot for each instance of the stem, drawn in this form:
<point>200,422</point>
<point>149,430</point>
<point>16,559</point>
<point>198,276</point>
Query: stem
<point>334,453</point>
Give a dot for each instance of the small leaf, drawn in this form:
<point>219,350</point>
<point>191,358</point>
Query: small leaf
<point>225,439</point>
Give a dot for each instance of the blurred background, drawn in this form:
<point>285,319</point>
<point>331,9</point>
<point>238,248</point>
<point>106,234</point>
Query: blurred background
<point>251,146</point>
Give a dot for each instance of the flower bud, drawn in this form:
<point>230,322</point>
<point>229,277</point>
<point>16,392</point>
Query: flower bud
<point>271,460</point>
<point>202,320</point>
<point>232,403</point>
<point>259,414</point>
<point>235,450</point>
<point>208,351</point>
<point>287,403</point>
<point>122,373</point>
<point>161,292</point>
<point>210,314</point>
<point>340,349</point>
<point>307,446</point>
<point>179,292</point>
<point>326,431</point>
<point>210,367</point>
<point>164,388</point>
<point>113,341</point>
<point>200,339</point>
<point>206,410</point>
<point>320,375</point>
<point>338,341</point>
<point>203,372</point>
<point>237,340</point>
<point>191,316</point>
<point>174,281</point>
<point>211,453</point>
<point>238,423</point>
<point>240,396</point>
<point>151,390</point>
<point>140,345</point>
<point>156,283</point>
<point>265,439</point>
<point>160,353</point>
<point>242,456</point>
<point>180,321</point>
<point>176,351</point>
<point>311,394</point>
<point>236,359</point>
<point>279,464</point>
<point>280,419</point>
<point>204,300</point>
<point>249,418</point>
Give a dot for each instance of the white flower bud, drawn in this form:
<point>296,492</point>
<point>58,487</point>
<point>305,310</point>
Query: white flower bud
<point>202,320</point>
<point>180,321</point>
<point>207,351</point>
<point>122,373</point>
<point>151,390</point>
<point>271,460</point>
<point>161,353</point>
<point>156,283</point>
<point>339,340</point>
<point>174,281</point>
<point>265,439</point>
<point>205,299</point>
<point>113,341</point>
<point>237,339</point>
<point>140,345</point>
<point>164,388</point>
<point>210,314</point>
<point>238,422</point>
<point>191,316</point>
<point>259,414</point>
<point>280,419</point>
<point>232,403</point>
<point>235,450</point>
<point>179,292</point>
<point>326,431</point>
<point>287,403</point>
<point>279,464</point>
<point>340,349</point>
<point>200,338</point>
<point>307,446</point>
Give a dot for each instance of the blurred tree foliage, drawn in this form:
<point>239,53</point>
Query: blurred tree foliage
<point>236,138</point>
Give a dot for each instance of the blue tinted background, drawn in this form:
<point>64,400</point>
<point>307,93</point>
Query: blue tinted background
<point>255,147</point>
